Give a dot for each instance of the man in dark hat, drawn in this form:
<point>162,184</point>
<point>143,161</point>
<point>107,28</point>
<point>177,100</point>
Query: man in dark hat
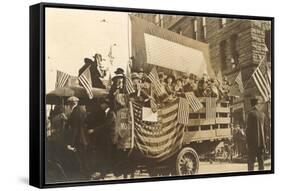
<point>107,139</point>
<point>119,74</point>
<point>97,70</point>
<point>117,90</point>
<point>119,71</point>
<point>255,134</point>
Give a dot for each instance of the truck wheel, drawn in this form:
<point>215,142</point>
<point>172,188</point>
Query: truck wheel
<point>187,162</point>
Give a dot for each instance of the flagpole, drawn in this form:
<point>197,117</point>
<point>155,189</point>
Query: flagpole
<point>261,61</point>
<point>129,40</point>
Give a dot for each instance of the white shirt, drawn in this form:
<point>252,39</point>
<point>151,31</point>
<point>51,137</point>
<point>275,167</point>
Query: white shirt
<point>106,111</point>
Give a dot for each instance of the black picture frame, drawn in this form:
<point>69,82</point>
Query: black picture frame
<point>37,94</point>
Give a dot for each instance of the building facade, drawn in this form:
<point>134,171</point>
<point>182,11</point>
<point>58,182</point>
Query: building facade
<point>235,45</point>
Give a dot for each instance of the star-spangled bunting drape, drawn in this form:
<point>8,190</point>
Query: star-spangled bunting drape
<point>162,139</point>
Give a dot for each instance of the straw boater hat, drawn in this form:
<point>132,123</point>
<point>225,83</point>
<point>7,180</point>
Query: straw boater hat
<point>73,99</point>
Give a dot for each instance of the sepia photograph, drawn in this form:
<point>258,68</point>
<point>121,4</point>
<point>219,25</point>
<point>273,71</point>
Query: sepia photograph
<point>132,95</point>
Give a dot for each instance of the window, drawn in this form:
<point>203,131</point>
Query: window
<point>223,54</point>
<point>268,45</point>
<point>234,49</point>
<point>161,21</point>
<point>204,29</point>
<point>222,22</point>
<point>157,19</point>
<point>195,29</point>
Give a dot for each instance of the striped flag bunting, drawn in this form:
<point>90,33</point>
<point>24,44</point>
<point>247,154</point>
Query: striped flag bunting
<point>239,82</point>
<point>211,108</point>
<point>129,85</point>
<point>62,79</point>
<point>193,101</point>
<point>155,81</point>
<point>86,81</point>
<point>262,79</point>
<point>183,111</point>
<point>158,140</point>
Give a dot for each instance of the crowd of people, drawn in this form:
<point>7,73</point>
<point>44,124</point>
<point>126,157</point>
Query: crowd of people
<point>86,134</point>
<point>172,86</point>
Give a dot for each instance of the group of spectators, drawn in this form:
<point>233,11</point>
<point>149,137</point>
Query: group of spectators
<point>88,131</point>
<point>171,84</point>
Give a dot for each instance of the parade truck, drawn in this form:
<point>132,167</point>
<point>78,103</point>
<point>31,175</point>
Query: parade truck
<point>158,144</point>
<point>161,145</point>
<point>170,140</point>
<point>175,146</point>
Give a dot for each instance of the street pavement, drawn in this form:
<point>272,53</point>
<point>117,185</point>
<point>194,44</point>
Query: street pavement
<point>224,167</point>
<point>208,168</point>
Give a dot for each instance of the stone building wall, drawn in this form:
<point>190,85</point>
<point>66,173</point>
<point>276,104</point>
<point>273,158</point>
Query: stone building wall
<point>250,46</point>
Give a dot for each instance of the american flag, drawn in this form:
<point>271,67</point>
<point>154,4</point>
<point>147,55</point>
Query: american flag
<point>219,77</point>
<point>193,101</point>
<point>239,82</point>
<point>158,140</point>
<point>153,104</point>
<point>86,81</point>
<point>262,79</point>
<point>183,111</point>
<point>62,79</point>
<point>211,108</point>
<point>157,86</point>
<point>129,86</point>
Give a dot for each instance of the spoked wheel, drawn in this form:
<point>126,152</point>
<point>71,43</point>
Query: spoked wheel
<point>187,162</point>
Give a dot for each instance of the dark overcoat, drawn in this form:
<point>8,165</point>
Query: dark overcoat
<point>78,129</point>
<point>255,131</point>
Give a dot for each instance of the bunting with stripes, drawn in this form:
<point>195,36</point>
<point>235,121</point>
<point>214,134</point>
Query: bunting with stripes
<point>158,140</point>
<point>62,79</point>
<point>86,81</point>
